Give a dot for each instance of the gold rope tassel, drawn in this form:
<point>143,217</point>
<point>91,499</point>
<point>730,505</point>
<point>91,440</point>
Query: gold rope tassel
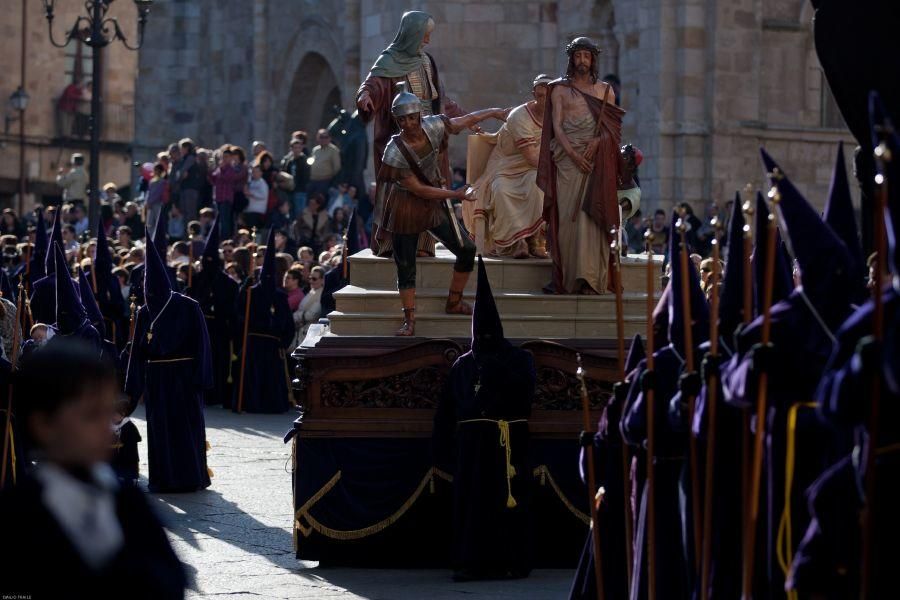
<point>784,545</point>
<point>505,443</point>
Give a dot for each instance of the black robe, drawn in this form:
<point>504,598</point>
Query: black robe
<point>271,330</point>
<point>491,538</point>
<point>728,492</point>
<point>800,352</point>
<point>114,308</point>
<point>612,468</point>
<point>40,562</point>
<point>217,296</point>
<point>172,370</point>
<point>828,558</point>
<point>673,571</point>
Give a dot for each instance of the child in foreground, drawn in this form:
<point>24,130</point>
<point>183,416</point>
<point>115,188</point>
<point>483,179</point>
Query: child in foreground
<point>70,530</point>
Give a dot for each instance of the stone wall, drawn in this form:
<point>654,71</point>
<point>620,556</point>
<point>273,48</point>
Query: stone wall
<point>196,75</point>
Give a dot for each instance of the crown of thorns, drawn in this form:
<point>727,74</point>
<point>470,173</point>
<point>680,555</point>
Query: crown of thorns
<point>582,43</point>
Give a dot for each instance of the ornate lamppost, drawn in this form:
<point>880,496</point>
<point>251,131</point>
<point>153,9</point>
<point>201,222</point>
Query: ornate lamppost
<point>97,30</point>
<point>18,102</point>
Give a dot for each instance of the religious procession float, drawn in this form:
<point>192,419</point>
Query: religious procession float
<point>364,477</point>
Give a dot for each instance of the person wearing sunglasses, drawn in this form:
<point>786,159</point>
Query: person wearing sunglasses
<point>310,308</point>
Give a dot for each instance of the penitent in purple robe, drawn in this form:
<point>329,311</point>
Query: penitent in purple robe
<point>170,367</point>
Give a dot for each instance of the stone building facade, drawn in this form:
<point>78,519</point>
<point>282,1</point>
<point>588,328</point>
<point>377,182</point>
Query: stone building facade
<point>705,83</point>
<point>50,138</point>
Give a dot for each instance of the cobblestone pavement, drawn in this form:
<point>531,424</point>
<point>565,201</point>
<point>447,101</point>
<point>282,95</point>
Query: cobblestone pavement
<point>235,537</point>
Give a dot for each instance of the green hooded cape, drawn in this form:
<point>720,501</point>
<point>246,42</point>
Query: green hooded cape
<point>402,56</point>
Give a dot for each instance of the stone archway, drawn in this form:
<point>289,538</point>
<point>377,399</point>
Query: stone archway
<point>314,93</point>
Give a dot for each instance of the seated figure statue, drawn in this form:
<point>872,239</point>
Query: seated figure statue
<point>509,203</point>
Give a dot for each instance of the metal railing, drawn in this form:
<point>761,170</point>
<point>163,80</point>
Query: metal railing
<point>117,126</point>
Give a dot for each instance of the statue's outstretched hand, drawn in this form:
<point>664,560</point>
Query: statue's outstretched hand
<point>364,103</point>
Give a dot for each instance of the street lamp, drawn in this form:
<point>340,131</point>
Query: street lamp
<point>19,99</point>
<point>18,102</point>
<point>97,31</point>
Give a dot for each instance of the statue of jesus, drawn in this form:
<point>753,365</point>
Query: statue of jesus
<point>578,171</point>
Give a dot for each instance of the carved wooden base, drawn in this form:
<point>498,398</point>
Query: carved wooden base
<point>390,387</point>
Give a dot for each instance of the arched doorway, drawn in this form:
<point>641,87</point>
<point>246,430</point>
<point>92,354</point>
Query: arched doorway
<point>314,93</point>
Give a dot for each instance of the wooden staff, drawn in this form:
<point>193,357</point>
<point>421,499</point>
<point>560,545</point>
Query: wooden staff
<point>748,210</point>
<point>25,279</point>
<point>27,263</point>
<point>620,355</point>
<point>688,320</point>
<point>190,272</point>
<point>761,398</point>
<point>29,314</point>
<point>7,429</point>
<point>882,155</point>
<point>345,255</point>
<point>593,492</point>
<point>240,402</point>
<point>94,271</point>
<point>252,273</point>
<point>712,384</point>
<point>649,393</point>
<point>133,309</point>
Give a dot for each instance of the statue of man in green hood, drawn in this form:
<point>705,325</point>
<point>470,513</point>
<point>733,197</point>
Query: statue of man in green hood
<point>404,60</point>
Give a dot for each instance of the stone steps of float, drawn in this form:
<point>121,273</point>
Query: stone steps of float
<point>507,274</point>
<point>354,299</point>
<point>439,325</point>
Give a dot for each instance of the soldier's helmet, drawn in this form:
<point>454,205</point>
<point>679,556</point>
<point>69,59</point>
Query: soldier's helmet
<point>405,103</point>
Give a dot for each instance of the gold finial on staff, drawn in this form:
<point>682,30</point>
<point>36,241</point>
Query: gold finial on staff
<point>689,398</point>
<point>649,401</point>
<point>615,236</point>
<point>711,373</point>
<point>752,518</point>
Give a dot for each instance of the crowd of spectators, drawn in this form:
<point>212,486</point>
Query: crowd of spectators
<point>300,197</point>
